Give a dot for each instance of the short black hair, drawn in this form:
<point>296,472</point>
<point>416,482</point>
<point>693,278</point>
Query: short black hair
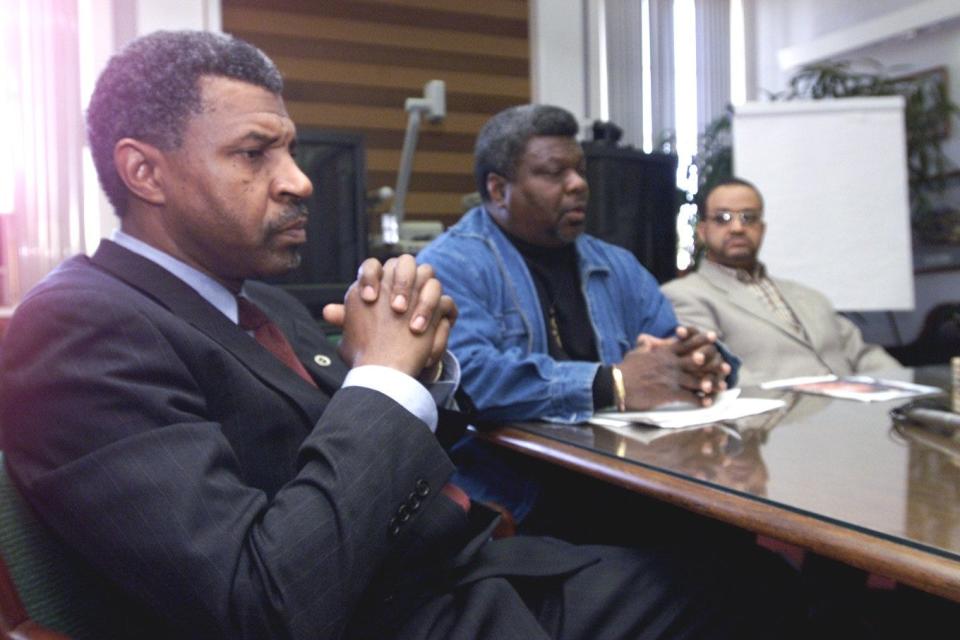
<point>503,138</point>
<point>702,197</point>
<point>149,89</point>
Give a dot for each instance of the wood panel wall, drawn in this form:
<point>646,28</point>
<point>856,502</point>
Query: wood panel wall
<point>350,65</point>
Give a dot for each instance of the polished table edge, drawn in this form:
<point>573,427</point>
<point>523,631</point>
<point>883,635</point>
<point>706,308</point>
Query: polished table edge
<point>923,570</point>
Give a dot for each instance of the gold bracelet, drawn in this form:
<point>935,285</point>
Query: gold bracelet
<point>619,389</point>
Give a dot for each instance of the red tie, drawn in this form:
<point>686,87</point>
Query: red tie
<point>268,334</point>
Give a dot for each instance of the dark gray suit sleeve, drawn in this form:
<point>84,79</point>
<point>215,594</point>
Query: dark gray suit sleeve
<point>112,429</point>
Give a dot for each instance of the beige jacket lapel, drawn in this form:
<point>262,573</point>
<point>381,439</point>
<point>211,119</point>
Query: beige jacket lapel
<point>739,295</point>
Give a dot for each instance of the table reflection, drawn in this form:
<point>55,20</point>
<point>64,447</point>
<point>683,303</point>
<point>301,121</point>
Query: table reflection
<point>838,460</point>
<point>837,475</point>
<point>725,453</point>
<point>933,486</point>
<point>718,453</point>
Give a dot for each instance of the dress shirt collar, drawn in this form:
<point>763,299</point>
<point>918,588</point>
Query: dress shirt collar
<point>758,273</point>
<point>211,290</point>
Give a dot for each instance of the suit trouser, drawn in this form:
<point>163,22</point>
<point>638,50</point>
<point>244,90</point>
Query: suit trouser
<point>664,592</point>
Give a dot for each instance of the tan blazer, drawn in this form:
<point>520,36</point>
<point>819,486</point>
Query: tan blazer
<point>769,347</point>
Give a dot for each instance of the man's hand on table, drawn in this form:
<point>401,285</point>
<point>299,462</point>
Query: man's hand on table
<point>686,367</point>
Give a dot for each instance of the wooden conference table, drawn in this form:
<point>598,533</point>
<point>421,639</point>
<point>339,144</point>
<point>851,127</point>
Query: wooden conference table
<point>833,476</point>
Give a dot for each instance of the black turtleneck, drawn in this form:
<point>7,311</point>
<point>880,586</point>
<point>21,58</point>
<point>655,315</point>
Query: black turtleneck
<point>556,275</point>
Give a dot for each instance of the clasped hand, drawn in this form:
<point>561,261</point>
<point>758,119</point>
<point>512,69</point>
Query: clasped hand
<point>686,367</point>
<point>394,315</point>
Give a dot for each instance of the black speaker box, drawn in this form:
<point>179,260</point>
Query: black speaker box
<point>634,203</point>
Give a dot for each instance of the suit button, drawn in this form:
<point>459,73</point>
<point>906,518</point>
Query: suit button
<point>394,527</point>
<point>423,488</point>
<point>403,513</point>
<point>413,501</point>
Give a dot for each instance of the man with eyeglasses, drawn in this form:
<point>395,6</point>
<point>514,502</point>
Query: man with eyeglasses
<point>778,328</point>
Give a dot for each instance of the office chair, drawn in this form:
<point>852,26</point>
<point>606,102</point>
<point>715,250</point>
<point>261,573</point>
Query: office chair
<point>938,341</point>
<point>37,588</point>
<point>15,623</point>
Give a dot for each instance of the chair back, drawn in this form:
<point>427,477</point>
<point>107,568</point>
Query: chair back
<point>35,592</point>
<point>48,586</point>
<point>938,341</point>
<point>12,613</point>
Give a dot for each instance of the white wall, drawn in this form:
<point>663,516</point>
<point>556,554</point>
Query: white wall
<point>178,14</point>
<point>140,17</point>
<point>105,27</point>
<point>790,26</point>
<point>557,54</point>
<point>783,26</point>
<point>565,56</point>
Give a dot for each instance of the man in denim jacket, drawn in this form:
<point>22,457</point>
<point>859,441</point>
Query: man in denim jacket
<point>554,324</point>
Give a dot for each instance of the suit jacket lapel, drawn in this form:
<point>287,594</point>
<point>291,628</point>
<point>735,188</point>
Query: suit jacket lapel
<point>798,304</point>
<point>183,301</point>
<point>746,300</point>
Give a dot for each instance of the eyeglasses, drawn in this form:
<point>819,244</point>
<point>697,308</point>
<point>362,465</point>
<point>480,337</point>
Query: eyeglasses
<point>748,217</point>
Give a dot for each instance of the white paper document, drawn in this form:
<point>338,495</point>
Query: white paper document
<point>728,406</point>
<point>862,388</point>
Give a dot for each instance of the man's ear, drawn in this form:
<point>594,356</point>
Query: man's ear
<point>140,167</point>
<point>700,232</point>
<point>497,188</point>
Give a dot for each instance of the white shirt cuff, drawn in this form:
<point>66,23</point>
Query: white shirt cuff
<point>398,386</point>
<point>443,389</point>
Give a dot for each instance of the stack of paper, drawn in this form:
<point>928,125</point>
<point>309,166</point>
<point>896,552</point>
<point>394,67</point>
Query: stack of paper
<point>862,388</point>
<point>728,406</point>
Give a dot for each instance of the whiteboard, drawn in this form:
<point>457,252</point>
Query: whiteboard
<point>833,174</point>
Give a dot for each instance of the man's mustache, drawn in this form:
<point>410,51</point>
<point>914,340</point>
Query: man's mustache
<point>293,214</point>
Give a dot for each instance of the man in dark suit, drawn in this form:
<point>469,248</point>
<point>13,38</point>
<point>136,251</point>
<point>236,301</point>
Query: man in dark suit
<point>221,489</point>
